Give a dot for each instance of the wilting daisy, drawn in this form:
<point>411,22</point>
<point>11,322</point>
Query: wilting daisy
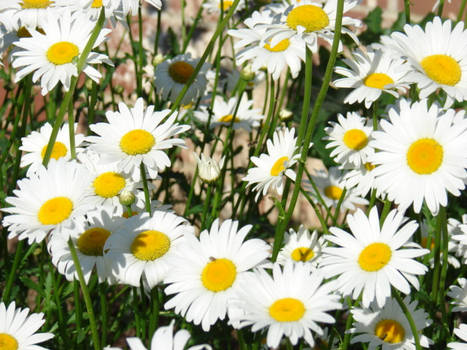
<point>461,333</point>
<point>205,272</point>
<point>420,155</point>
<point>301,247</point>
<point>361,180</point>
<point>387,327</point>
<point>143,245</point>
<point>172,75</point>
<point>223,113</point>
<point>18,330</point>
<point>271,167</point>
<point>437,55</point>
<point>459,295</point>
<point>290,303</point>
<point>214,6</point>
<point>372,259</point>
<point>370,74</point>
<point>350,137</point>
<point>35,144</point>
<point>135,136</point>
<point>52,200</point>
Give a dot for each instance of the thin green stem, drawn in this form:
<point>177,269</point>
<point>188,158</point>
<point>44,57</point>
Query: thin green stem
<point>71,129</point>
<point>158,33</point>
<point>104,311</point>
<point>147,198</point>
<point>461,10</point>
<point>207,202</point>
<point>155,309</point>
<point>409,317</point>
<point>348,324</point>
<point>78,308</point>
<point>440,8</point>
<point>13,273</point>
<point>440,222</point>
<point>407,11</point>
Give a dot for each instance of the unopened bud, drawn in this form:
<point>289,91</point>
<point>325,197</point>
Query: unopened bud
<point>247,73</point>
<point>126,198</point>
<point>208,168</point>
<point>285,114</point>
<point>158,59</point>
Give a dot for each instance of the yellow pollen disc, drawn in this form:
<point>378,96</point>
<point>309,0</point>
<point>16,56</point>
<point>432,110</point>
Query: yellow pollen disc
<point>36,4</point>
<point>279,166</point>
<point>333,192</point>
<point>91,242</point>
<point>374,257</point>
<point>228,119</point>
<point>442,69</point>
<point>287,310</point>
<point>312,17</point>
<point>62,52</point>
<point>96,4</point>
<point>369,166</point>
<point>302,254</point>
<point>59,150</point>
<point>219,275</point>
<point>355,139</point>
<point>137,141</point>
<point>226,4</point>
<point>390,331</point>
<point>150,245</point>
<point>281,46</point>
<point>378,80</point>
<point>7,342</point>
<point>108,184</point>
<point>55,210</point>
<point>181,71</point>
<point>425,156</point>
<point>424,243</point>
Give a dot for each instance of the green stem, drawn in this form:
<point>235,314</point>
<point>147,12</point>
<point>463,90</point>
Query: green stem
<point>154,317</point>
<point>440,223</point>
<point>71,129</point>
<point>78,308</point>
<point>193,27</point>
<point>104,312</point>
<point>13,273</point>
<point>190,193</point>
<point>440,8</point>
<point>207,201</point>
<point>316,209</point>
<point>348,324</point>
<point>147,199</point>
<point>409,317</point>
<point>461,10</point>
<point>158,33</point>
<point>407,11</point>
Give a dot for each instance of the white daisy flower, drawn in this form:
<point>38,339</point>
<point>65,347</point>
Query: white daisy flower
<point>172,75</point>
<point>92,8</point>
<point>205,273</point>
<point>420,155</point>
<point>371,259</point>
<point>288,52</point>
<point>370,74</point>
<point>35,144</point>
<point>387,327</point>
<point>301,247</point>
<point>458,232</point>
<point>52,200</point>
<point>360,180</point>
<point>135,136</point>
<point>52,56</point>
<point>31,13</point>
<point>350,137</point>
<point>223,113</point>
<point>143,245</point>
<point>459,294</point>
<point>461,333</point>
<point>208,168</point>
<point>290,303</point>
<point>214,6</point>
<point>271,167</point>
<point>437,55</point>
<point>130,7</point>
<point>18,330</point>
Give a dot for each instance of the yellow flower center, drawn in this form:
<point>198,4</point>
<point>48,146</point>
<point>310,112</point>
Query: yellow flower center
<point>279,166</point>
<point>281,46</point>
<point>369,166</point>
<point>96,4</point>
<point>36,4</point>
<point>7,342</point>
<point>333,192</point>
<point>312,17</point>
<point>226,4</point>
<point>59,150</point>
<point>150,245</point>
<point>425,156</point>
<point>219,275</point>
<point>108,184</point>
<point>442,69</point>
<point>374,257</point>
<point>378,80</point>
<point>302,254</point>
<point>62,52</point>
<point>181,71</point>
<point>137,141</point>
<point>91,242</point>
<point>390,331</point>
<point>228,118</point>
<point>355,139</point>
<point>287,310</point>
<point>55,210</point>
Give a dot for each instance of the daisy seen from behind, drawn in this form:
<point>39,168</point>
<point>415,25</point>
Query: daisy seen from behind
<point>461,333</point>
<point>206,271</point>
<point>135,136</point>
<point>459,295</point>
<point>371,259</point>
<point>301,247</point>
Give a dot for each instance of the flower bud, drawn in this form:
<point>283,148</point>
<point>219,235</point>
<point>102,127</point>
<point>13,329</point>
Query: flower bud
<point>126,198</point>
<point>208,168</point>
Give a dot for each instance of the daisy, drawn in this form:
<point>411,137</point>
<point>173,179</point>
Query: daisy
<point>459,294</point>
<point>35,144</point>
<point>301,247</point>
<point>350,137</point>
<point>437,56</point>
<point>92,8</point>
<point>143,245</point>
<point>53,56</point>
<point>223,114</point>
<point>205,272</point>
<point>360,180</point>
<point>371,259</point>
<point>130,7</point>
<point>18,330</point>
<point>290,303</point>
<point>387,327</point>
<point>137,136</point>
<point>52,200</point>
<point>458,232</point>
<point>214,6</point>
<point>461,333</point>
<point>420,155</point>
<point>172,75</point>
<point>370,74</point>
<point>271,167</point>
<point>31,13</point>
